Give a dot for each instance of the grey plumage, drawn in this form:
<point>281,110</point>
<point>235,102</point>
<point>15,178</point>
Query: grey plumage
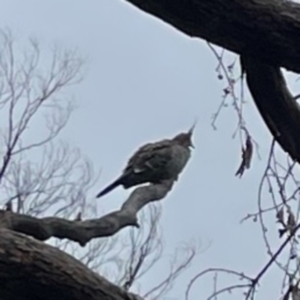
<point>155,162</point>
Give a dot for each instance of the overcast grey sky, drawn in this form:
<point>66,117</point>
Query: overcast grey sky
<point>146,81</point>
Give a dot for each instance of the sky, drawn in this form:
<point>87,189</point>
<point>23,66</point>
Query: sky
<point>144,81</point>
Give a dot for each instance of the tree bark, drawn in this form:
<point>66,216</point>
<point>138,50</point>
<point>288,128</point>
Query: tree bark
<point>268,30</point>
<point>32,270</point>
<point>275,103</point>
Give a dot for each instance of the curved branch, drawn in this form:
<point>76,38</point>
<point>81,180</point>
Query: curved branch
<point>267,29</point>
<point>275,103</point>
<point>83,231</point>
<point>31,270</point>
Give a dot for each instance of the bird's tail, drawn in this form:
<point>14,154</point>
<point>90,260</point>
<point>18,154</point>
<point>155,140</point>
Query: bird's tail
<point>109,188</point>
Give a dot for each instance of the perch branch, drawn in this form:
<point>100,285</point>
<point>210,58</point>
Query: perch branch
<point>83,231</point>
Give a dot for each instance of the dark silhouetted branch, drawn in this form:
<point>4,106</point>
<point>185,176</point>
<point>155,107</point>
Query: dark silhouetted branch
<point>275,103</point>
<point>267,29</point>
<point>32,270</point>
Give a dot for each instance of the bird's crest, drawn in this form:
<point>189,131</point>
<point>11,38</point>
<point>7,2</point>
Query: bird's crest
<point>190,132</point>
<point>185,139</point>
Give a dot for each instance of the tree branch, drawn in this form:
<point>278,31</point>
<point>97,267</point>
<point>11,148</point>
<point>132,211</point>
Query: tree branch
<point>31,270</point>
<point>83,231</point>
<point>267,29</point>
<point>275,103</point>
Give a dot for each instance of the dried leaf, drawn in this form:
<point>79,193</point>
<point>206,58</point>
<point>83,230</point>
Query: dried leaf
<point>296,293</point>
<point>293,255</point>
<point>291,223</point>
<point>280,215</point>
<point>226,91</point>
<point>246,157</point>
<point>282,232</point>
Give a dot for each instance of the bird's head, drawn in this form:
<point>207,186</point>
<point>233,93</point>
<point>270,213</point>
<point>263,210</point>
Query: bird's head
<point>185,139</point>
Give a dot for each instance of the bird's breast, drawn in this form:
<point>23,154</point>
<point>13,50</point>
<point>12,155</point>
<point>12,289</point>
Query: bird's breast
<point>180,157</point>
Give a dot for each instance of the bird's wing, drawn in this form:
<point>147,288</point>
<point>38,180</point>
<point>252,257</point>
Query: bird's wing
<point>151,156</point>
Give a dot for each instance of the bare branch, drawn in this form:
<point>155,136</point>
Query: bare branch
<point>255,281</point>
<point>145,249</point>
<point>282,116</point>
<point>178,266</point>
<point>83,232</point>
<point>240,275</point>
<point>26,89</point>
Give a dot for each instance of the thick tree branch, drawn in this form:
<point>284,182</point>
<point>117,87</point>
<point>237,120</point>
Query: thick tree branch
<point>32,270</point>
<point>83,231</point>
<point>266,29</point>
<point>275,103</point>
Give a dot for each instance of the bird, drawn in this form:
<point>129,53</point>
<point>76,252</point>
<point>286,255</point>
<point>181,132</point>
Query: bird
<point>155,162</point>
